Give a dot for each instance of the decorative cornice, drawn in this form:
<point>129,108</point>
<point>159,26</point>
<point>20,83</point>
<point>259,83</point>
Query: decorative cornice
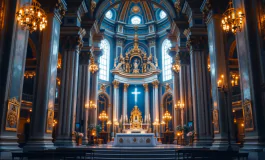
<point>116,84</point>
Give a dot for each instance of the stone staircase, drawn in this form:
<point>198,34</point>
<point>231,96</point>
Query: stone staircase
<point>134,154</point>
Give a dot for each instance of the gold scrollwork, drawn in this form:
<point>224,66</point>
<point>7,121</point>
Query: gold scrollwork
<point>12,114</point>
<point>50,116</point>
<point>248,117</point>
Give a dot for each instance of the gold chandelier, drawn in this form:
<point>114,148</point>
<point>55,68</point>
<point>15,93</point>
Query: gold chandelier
<point>232,20</point>
<point>32,17</point>
<point>93,67</point>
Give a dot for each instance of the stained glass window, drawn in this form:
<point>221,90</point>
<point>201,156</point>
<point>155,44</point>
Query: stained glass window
<point>166,60</point>
<point>104,60</point>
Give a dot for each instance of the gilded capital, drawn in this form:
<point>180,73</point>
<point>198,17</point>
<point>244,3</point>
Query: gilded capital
<point>155,83</point>
<point>145,86</point>
<point>126,87</point>
<point>116,83</point>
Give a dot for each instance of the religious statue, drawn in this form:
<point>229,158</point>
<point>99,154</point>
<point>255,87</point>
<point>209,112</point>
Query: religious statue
<point>136,66</point>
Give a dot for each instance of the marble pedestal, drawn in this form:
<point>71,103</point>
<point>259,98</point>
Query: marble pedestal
<point>135,140</point>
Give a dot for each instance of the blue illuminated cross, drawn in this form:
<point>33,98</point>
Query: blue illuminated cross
<point>135,95</point>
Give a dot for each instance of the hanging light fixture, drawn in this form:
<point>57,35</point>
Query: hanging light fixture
<point>232,20</point>
<point>32,17</point>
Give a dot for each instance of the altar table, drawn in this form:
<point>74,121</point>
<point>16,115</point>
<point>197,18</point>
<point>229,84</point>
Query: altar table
<point>135,140</point>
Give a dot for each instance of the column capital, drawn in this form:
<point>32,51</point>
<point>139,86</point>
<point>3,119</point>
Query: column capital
<point>125,87</point>
<point>116,84</point>
<point>96,52</point>
<point>72,37</point>
<point>84,58</point>
<point>145,87</point>
<point>58,8</point>
<point>155,83</point>
<point>197,42</point>
<point>184,58</point>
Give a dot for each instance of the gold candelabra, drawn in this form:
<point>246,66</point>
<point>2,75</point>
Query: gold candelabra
<point>103,117</point>
<point>156,124</point>
<point>167,117</point>
<point>91,105</point>
<point>32,17</point>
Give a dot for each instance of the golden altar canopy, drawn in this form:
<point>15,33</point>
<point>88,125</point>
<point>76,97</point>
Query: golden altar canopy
<point>136,118</point>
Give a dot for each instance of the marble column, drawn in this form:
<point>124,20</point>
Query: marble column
<point>176,84</point>
<point>13,48</point>
<point>115,101</point>
<point>93,113</point>
<point>156,102</point>
<point>147,103</point>
<point>72,42</point>
<point>221,101</point>
<point>83,93</point>
<point>41,124</point>
<point>200,90</point>
<point>250,50</point>
<point>185,86</point>
<point>125,102</point>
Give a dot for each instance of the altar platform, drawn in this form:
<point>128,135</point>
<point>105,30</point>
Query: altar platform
<point>135,140</point>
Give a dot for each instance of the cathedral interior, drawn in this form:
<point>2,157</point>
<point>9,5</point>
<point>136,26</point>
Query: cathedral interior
<point>81,78</point>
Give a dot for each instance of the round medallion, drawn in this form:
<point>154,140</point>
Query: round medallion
<point>135,9</point>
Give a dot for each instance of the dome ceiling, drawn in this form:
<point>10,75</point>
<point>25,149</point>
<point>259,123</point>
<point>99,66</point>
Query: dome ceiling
<point>148,16</point>
<point>145,10</point>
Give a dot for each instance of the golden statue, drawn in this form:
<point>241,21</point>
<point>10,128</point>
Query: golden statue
<point>136,118</point>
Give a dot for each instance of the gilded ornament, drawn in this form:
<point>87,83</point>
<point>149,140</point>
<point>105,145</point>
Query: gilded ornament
<point>12,114</point>
<point>135,9</point>
<point>134,140</point>
<point>155,83</point>
<point>103,87</point>
<point>50,117</point>
<point>116,83</point>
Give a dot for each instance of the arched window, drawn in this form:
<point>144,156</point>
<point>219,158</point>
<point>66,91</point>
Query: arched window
<point>166,60</point>
<point>162,14</point>
<point>104,60</point>
<point>136,20</point>
<point>109,14</point>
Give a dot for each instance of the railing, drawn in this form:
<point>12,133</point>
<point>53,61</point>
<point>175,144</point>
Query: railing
<point>27,97</point>
<point>236,97</point>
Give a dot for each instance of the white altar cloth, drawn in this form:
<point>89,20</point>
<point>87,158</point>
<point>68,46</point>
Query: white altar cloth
<point>135,140</point>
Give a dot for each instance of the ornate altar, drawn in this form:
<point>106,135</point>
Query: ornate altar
<point>136,119</point>
<point>135,63</point>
